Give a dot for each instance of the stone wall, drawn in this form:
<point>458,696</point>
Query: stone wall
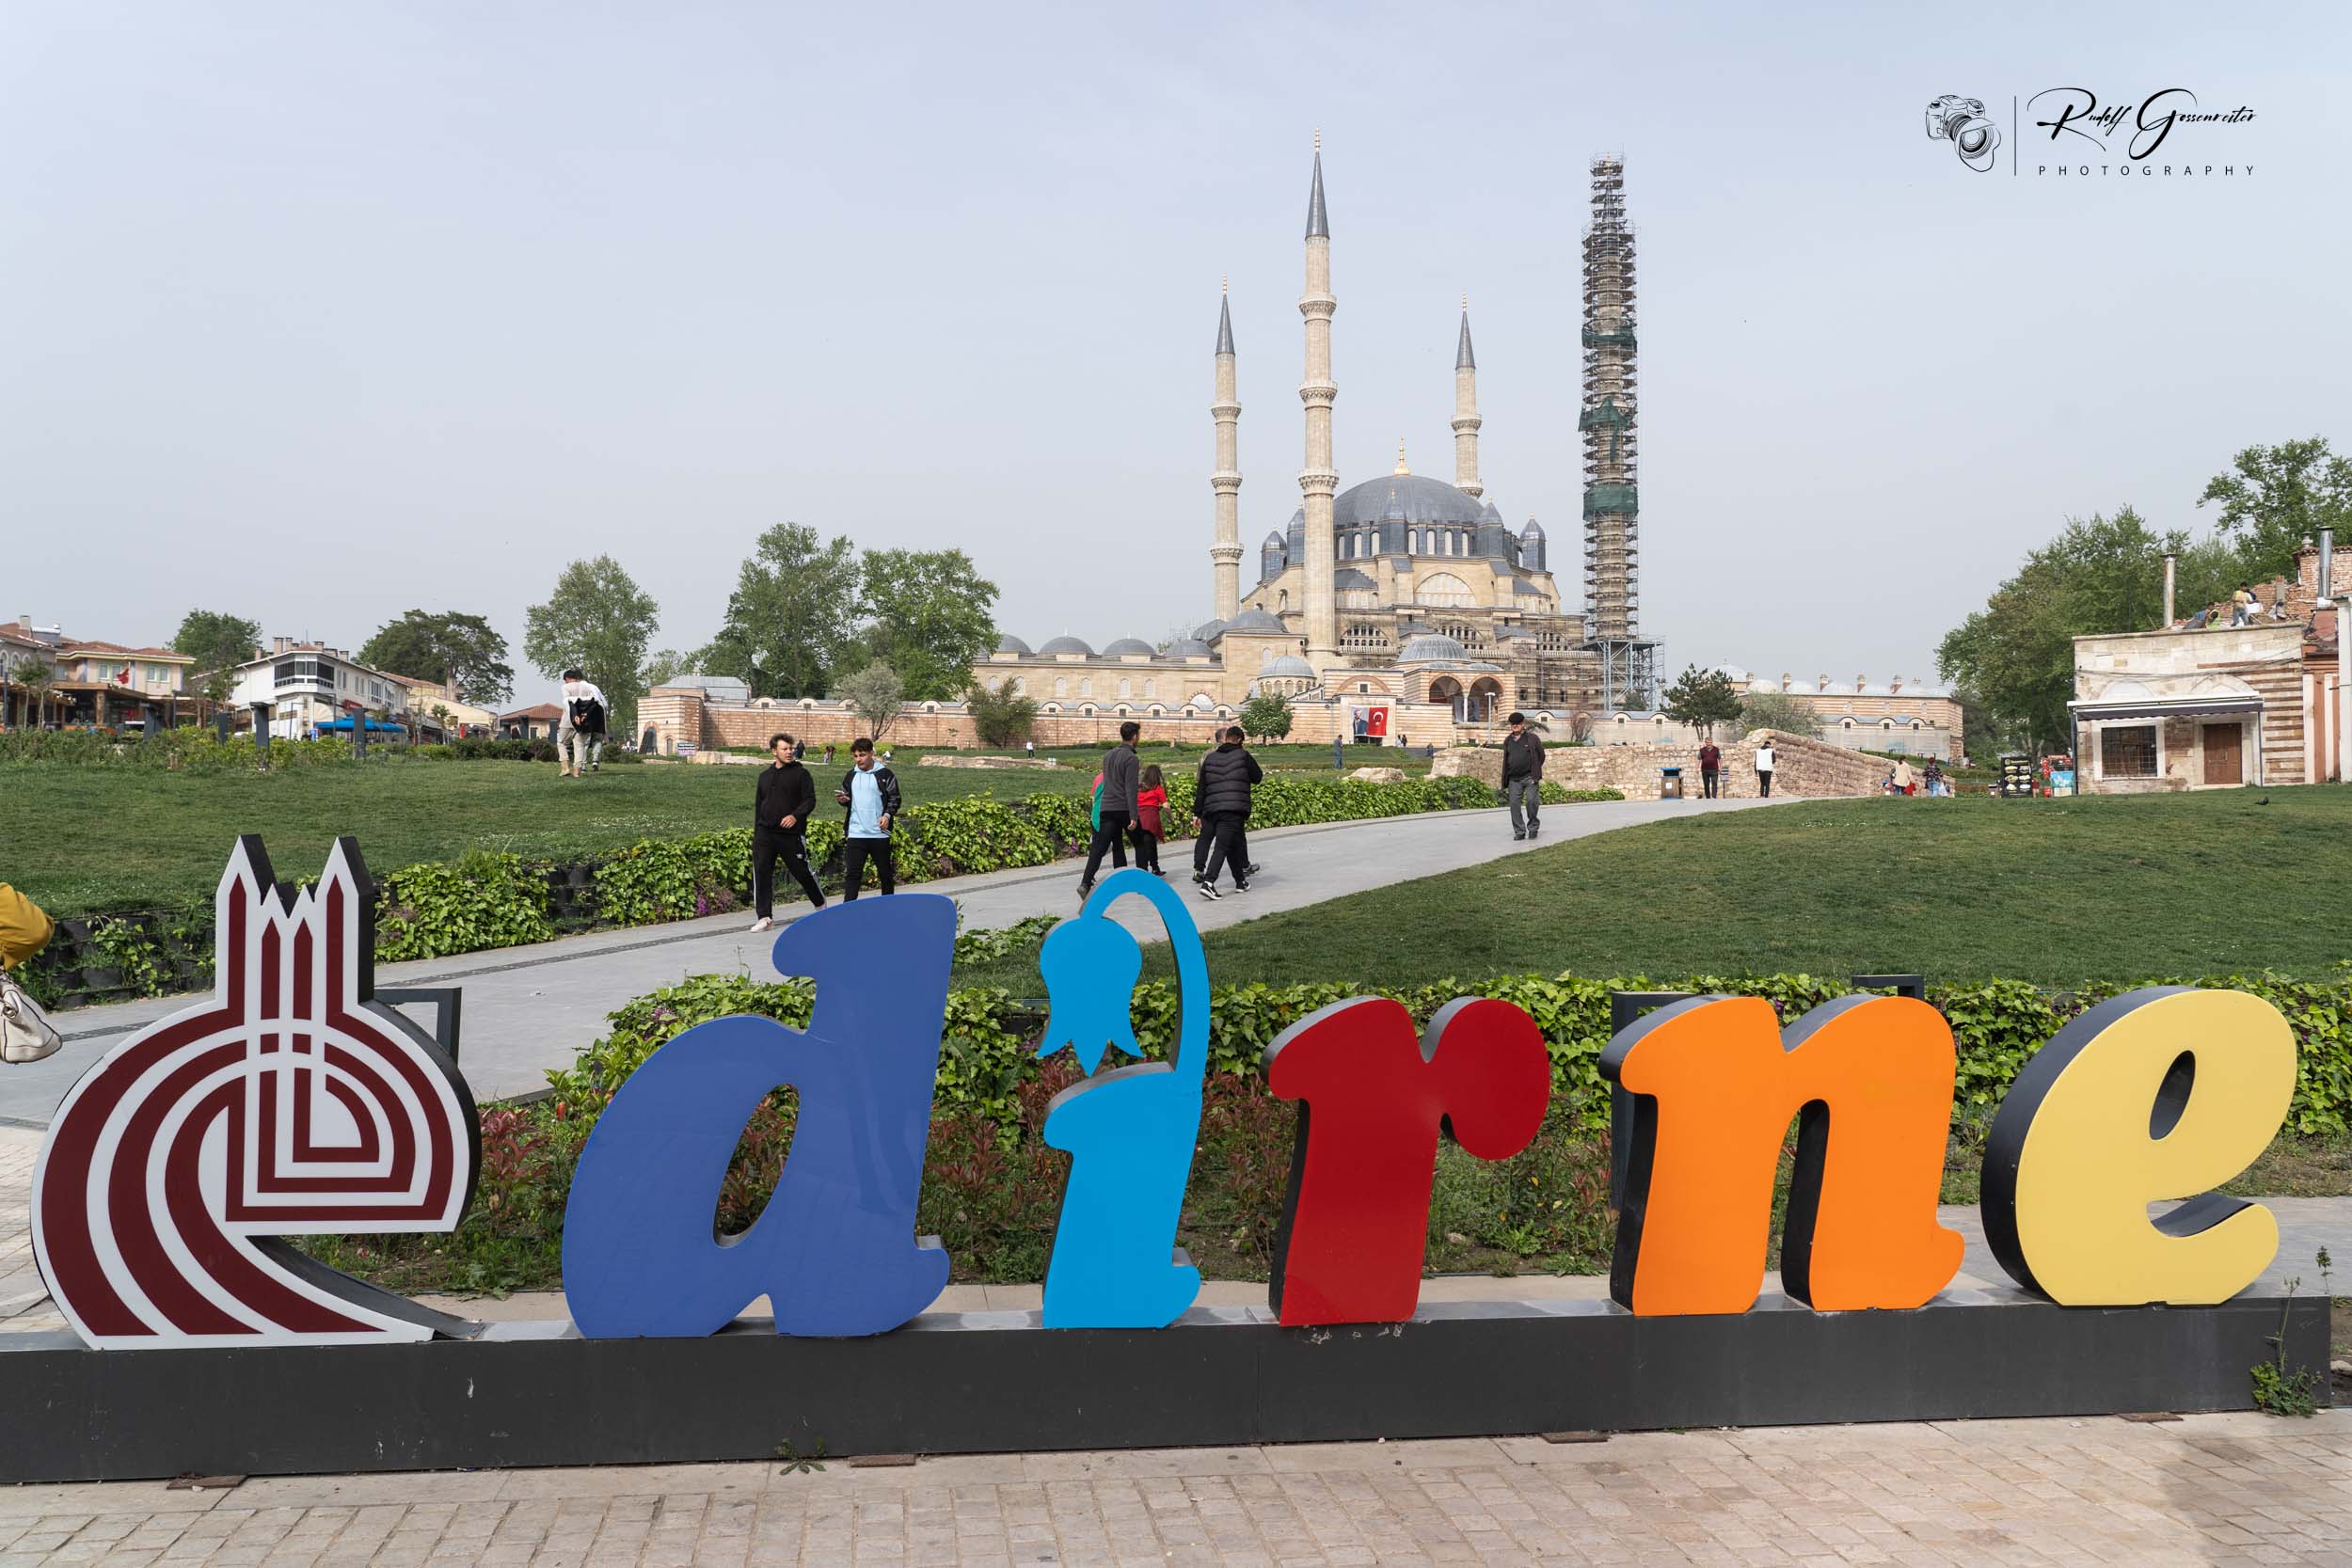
<point>1810,768</point>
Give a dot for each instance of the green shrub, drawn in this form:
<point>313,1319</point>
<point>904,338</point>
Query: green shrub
<point>484,901</point>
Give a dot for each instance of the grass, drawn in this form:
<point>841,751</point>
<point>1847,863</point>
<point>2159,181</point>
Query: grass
<point>2054,892</point>
<point>78,839</point>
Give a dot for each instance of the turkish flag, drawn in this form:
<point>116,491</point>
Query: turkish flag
<point>124,678</point>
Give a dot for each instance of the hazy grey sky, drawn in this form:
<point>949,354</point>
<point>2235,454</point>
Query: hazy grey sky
<point>314,312</point>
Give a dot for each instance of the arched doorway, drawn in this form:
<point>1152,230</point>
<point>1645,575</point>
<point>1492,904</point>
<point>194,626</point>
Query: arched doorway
<point>1485,700</point>
<point>1445,688</point>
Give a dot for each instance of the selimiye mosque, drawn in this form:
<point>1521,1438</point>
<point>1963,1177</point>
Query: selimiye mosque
<point>1402,593</point>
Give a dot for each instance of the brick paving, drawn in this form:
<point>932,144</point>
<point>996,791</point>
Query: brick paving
<point>2206,1490</point>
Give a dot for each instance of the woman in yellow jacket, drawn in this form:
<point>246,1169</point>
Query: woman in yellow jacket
<point>24,930</point>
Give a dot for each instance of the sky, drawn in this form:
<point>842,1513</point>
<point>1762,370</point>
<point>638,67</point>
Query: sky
<point>317,313</point>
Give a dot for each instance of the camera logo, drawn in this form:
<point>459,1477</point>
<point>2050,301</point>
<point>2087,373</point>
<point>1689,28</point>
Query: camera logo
<point>1962,123</point>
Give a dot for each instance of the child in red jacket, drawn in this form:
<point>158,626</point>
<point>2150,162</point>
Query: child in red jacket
<point>1151,819</point>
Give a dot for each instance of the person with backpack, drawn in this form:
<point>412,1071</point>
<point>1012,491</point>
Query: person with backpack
<point>1220,797</point>
<point>869,793</point>
<point>1765,764</point>
<point>780,810</point>
<point>579,735</point>
<point>25,1033</point>
<point>1114,807</point>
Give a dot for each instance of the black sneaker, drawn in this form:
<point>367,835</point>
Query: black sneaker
<point>1208,891</point>
<point>1086,891</point>
<point>1255,868</point>
<point>1533,829</point>
<point>1241,887</point>
<point>1516,838</point>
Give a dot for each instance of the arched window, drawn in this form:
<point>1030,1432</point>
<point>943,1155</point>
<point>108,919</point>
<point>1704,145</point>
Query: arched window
<point>1444,588</point>
<point>1147,688</point>
<point>1412,541</point>
<point>1019,685</point>
<point>1085,685</point>
<point>1125,687</point>
<point>1282,596</point>
<point>1061,685</point>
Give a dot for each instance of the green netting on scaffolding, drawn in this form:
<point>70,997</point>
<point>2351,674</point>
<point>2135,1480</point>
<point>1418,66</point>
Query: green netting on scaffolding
<point>1602,498</point>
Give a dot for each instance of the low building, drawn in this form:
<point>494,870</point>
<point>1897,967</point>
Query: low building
<point>307,683</point>
<point>93,683</point>
<point>2200,703</point>
<point>1898,715</point>
<point>440,714</point>
<point>537,722</point>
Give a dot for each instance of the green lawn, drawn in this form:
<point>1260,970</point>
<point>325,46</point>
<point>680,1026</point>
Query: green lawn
<point>2104,888</point>
<point>77,839</point>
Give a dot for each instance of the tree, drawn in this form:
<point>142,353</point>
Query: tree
<point>1702,698</point>
<point>1778,710</point>
<point>875,693</point>
<point>218,643</point>
<point>460,652</point>
<point>668,665</point>
<point>600,621</point>
<point>792,616</point>
<point>928,617</point>
<point>1266,717</point>
<point>2100,574</point>
<point>1001,714</point>
<point>2276,497</point>
<point>32,676</point>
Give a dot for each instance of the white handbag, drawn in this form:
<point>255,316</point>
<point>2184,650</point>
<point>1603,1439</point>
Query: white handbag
<point>25,1035</point>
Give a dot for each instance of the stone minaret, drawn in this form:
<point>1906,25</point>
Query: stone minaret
<point>1466,420</point>
<point>1318,480</point>
<point>1225,555</point>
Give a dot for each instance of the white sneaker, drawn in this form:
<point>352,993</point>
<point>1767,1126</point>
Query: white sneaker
<point>763,923</point>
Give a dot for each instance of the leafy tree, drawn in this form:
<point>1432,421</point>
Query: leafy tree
<point>928,617</point>
<point>875,693</point>
<point>2276,497</point>
<point>2100,574</point>
<point>598,620</point>
<point>1266,717</point>
<point>1778,710</point>
<point>669,664</point>
<point>1002,714</point>
<point>32,676</point>
<point>792,616</point>
<point>460,652</point>
<point>1702,698</point>
<point>218,643</point>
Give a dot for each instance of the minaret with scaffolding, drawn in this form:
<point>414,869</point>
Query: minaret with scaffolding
<point>1629,675</point>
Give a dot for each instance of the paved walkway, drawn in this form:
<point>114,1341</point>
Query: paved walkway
<point>527,1010</point>
<point>2205,1490</point>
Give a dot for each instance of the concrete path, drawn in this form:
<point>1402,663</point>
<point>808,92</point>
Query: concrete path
<point>2218,1489</point>
<point>530,1009</point>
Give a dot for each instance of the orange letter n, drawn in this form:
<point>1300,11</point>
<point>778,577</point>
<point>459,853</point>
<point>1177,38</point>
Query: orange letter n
<point>1715,1084</point>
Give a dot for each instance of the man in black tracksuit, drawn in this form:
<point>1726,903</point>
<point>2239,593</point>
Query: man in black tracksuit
<point>1220,798</point>
<point>785,798</point>
<point>1115,811</point>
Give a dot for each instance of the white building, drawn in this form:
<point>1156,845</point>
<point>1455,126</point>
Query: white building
<point>305,684</point>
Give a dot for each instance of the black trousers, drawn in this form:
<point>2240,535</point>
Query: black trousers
<point>1146,845</point>
<point>1204,840</point>
<point>856,853</point>
<point>1228,845</point>
<point>1707,776</point>
<point>1109,834</point>
<point>792,845</point>
<point>1764,785</point>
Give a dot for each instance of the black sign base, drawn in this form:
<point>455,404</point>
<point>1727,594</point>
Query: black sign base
<point>536,1393</point>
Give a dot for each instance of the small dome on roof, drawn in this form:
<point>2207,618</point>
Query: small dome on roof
<point>1255,623</point>
<point>1186,647</point>
<point>1350,576</point>
<point>1287,664</point>
<point>1273,539</point>
<point>1532,531</point>
<point>1207,630</point>
<point>1430,647</point>
<point>1011,644</point>
<point>1067,645</point>
<point>1127,647</point>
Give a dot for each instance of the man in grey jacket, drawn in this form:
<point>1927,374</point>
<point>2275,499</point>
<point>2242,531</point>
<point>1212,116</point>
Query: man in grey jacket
<point>1115,810</point>
<point>1523,776</point>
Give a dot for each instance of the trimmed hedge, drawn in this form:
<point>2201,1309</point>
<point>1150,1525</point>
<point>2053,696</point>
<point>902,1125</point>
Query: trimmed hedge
<point>490,901</point>
<point>991,1188</point>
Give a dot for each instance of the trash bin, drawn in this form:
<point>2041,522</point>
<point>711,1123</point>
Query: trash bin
<point>1670,784</point>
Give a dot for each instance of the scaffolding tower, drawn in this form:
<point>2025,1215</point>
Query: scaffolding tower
<point>1628,665</point>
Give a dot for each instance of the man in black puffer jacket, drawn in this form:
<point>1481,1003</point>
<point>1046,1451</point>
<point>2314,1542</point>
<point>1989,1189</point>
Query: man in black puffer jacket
<point>1220,798</point>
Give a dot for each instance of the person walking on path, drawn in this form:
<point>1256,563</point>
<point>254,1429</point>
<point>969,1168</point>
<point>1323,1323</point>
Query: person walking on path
<point>780,810</point>
<point>1220,793</point>
<point>1114,807</point>
<point>871,792</point>
<point>1151,819</point>
<point>1711,769</point>
<point>1523,777</point>
<point>579,731</point>
<point>1765,763</point>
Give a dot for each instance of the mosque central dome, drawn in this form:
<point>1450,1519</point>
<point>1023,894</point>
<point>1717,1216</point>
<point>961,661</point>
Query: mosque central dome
<point>1421,498</point>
